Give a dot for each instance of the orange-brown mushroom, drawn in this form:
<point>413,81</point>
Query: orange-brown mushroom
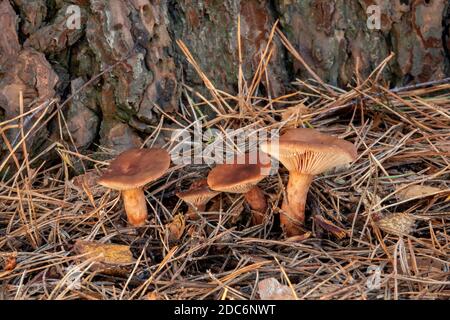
<point>305,153</point>
<point>197,197</point>
<point>241,175</point>
<point>129,173</point>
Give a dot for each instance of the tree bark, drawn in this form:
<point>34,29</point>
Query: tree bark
<point>138,37</point>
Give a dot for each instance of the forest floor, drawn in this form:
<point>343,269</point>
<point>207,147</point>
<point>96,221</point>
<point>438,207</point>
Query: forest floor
<point>65,237</point>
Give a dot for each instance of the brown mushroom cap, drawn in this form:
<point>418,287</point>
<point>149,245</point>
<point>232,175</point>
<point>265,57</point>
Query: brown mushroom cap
<point>135,168</point>
<point>240,175</point>
<point>309,151</point>
<point>198,194</point>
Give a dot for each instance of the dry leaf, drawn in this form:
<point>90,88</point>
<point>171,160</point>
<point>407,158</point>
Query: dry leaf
<point>104,254</point>
<point>87,184</point>
<point>152,296</point>
<point>271,289</point>
<point>10,261</point>
<point>298,238</point>
<point>416,191</point>
<point>293,115</point>
<point>88,179</point>
<point>397,223</point>
<point>176,227</point>
<point>330,227</point>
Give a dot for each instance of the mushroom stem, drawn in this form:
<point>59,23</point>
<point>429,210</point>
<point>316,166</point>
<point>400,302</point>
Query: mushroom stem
<point>257,202</point>
<point>294,203</point>
<point>135,206</point>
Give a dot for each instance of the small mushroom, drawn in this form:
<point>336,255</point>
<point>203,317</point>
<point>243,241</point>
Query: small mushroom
<point>242,176</point>
<point>129,173</point>
<point>257,201</point>
<point>305,153</point>
<point>197,197</point>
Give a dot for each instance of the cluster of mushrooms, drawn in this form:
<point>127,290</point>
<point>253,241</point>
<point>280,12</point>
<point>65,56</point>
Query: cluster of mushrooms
<point>304,152</point>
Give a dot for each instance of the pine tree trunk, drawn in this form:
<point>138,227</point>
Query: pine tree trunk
<point>45,59</point>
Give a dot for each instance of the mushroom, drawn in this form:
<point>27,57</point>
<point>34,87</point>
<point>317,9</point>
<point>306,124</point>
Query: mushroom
<point>257,201</point>
<point>129,173</point>
<point>305,153</point>
<point>242,176</point>
<point>197,197</point>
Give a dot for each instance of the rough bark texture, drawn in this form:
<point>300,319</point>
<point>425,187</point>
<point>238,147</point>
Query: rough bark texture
<point>44,58</point>
<point>209,29</point>
<point>332,36</point>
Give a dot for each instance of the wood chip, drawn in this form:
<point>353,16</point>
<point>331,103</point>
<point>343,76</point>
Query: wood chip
<point>105,255</point>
